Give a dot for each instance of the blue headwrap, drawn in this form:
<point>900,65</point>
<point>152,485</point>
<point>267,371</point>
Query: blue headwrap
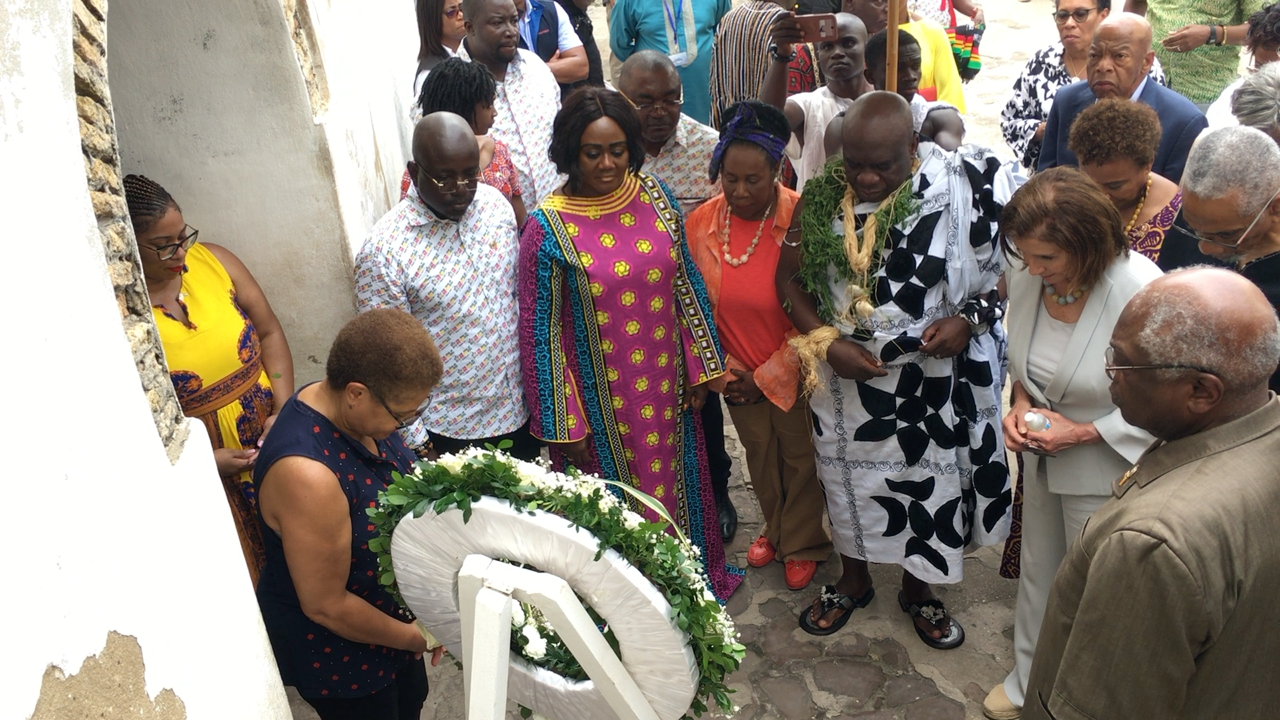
<point>745,125</point>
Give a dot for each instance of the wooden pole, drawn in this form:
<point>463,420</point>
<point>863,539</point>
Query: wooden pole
<point>891,46</point>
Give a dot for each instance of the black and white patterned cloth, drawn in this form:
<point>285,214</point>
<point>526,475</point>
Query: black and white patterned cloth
<point>1032,98</point>
<point>913,463</point>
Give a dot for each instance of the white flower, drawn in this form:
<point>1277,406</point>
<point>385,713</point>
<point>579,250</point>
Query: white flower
<point>536,645</point>
<point>451,462</point>
<point>517,614</point>
<point>631,519</point>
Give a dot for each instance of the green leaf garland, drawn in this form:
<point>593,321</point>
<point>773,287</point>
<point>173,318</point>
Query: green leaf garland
<point>671,564</point>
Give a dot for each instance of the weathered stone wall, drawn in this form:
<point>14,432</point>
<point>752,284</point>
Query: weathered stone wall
<point>102,168</point>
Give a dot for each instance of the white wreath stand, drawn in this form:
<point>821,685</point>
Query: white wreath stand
<point>486,589</point>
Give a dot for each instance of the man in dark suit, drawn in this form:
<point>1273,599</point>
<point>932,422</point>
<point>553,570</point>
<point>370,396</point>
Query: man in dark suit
<point>1119,58</point>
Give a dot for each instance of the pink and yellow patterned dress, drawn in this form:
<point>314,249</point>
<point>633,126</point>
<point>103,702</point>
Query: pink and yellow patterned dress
<point>614,325</point>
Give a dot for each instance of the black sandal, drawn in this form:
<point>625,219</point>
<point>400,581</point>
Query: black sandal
<point>833,599</point>
<point>934,612</point>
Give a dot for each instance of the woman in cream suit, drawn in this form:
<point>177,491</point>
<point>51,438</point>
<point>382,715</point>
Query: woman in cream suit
<point>1075,276</point>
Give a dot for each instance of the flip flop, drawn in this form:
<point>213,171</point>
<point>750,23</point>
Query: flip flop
<point>833,599</point>
<point>934,612</point>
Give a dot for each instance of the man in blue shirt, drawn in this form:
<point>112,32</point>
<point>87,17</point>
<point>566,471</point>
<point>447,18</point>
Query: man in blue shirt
<point>546,31</point>
<point>683,30</point>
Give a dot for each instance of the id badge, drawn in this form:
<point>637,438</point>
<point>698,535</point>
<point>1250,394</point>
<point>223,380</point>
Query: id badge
<point>680,59</point>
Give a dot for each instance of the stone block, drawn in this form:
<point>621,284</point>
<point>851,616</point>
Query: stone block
<point>908,689</point>
<point>848,679</point>
<point>780,644</point>
<point>935,708</point>
<point>98,8</point>
<point>103,177</point>
<point>850,644</point>
<point>89,52</point>
<point>891,653</point>
<point>88,24</point>
<point>96,143</point>
<point>93,113</point>
<point>118,241</point>
<point>121,273</point>
<point>790,696</point>
<point>92,82</point>
<point>107,205</point>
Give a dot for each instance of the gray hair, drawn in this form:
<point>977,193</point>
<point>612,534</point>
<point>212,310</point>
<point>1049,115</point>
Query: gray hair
<point>1234,158</point>
<point>1179,330</point>
<point>1256,103</point>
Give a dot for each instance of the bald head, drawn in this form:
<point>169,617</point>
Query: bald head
<point>446,163</point>
<point>1127,25</point>
<point>1216,339</point>
<point>1120,55</point>
<point>442,135</point>
<point>878,143</point>
<point>646,64</point>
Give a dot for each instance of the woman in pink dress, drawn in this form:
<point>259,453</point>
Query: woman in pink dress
<point>617,339</point>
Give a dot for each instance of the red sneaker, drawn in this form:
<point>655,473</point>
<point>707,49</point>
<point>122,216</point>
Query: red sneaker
<point>761,552</point>
<point>800,573</point>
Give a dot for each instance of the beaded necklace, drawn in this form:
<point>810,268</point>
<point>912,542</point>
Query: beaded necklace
<point>751,249</point>
<point>1138,211</point>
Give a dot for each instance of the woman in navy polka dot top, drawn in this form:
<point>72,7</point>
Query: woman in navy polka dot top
<point>337,635</point>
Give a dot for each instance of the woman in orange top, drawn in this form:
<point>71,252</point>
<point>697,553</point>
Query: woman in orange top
<point>226,352</point>
<point>735,239</point>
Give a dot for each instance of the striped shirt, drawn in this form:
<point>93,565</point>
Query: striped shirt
<point>740,57</point>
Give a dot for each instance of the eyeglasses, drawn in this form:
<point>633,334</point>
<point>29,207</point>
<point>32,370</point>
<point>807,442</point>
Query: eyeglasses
<point>185,241</point>
<point>1079,15</point>
<point>452,12</point>
<point>671,107</point>
<point>1185,229</point>
<point>1109,358</point>
<point>453,184</point>
<point>402,424</point>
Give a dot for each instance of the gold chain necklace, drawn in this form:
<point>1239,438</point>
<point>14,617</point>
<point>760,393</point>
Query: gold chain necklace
<point>751,249</point>
<point>1134,220</point>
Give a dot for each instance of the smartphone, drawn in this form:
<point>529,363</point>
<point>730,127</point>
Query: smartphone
<point>818,27</point>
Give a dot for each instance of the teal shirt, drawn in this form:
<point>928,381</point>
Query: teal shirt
<point>642,25</point>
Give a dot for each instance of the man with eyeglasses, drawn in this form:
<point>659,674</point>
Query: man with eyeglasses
<point>677,147</point>
<point>1119,61</point>
<point>446,254</point>
<point>1164,606</point>
<point>527,96</point>
<point>1230,206</point>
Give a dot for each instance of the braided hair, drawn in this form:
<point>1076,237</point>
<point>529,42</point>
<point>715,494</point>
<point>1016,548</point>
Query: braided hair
<point>147,201</point>
<point>457,86</point>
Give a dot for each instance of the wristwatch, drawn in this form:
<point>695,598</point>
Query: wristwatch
<point>773,53</point>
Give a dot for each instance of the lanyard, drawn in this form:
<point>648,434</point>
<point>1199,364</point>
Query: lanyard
<point>673,20</point>
<point>674,12</point>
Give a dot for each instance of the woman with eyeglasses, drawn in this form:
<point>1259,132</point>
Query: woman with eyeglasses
<point>227,354</point>
<point>1070,275</point>
<point>338,637</point>
<point>1116,141</point>
<point>440,32</point>
<point>1050,69</point>
<point>617,341</point>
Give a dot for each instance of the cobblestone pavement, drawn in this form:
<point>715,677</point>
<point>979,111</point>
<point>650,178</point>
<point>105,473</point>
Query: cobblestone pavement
<point>875,668</point>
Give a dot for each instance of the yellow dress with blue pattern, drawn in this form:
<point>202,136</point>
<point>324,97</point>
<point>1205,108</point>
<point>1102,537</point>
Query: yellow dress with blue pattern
<point>215,363</point>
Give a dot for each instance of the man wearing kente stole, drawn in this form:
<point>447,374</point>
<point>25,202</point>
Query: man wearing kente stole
<point>891,276</point>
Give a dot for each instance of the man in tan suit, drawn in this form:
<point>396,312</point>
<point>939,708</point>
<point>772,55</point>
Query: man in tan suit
<point>1165,606</point>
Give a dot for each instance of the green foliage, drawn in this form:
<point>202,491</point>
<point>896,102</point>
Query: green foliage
<point>822,248</point>
<point>672,565</point>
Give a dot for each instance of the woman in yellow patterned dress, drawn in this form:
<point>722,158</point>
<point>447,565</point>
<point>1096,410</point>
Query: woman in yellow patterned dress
<point>225,349</point>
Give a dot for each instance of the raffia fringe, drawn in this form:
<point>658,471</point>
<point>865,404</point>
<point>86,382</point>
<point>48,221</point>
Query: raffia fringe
<point>811,349</point>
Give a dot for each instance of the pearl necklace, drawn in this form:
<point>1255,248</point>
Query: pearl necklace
<point>751,249</point>
<point>1067,299</point>
<point>1134,220</point>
